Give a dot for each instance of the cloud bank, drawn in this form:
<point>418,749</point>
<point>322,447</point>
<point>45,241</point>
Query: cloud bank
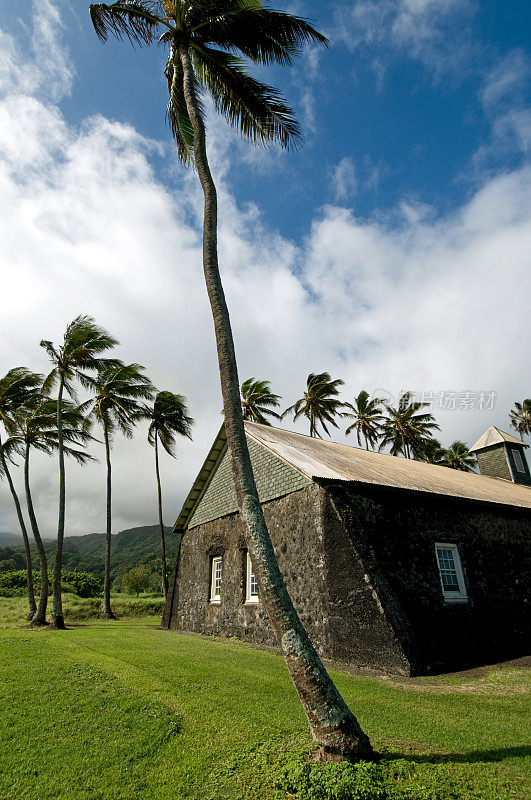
<point>411,299</point>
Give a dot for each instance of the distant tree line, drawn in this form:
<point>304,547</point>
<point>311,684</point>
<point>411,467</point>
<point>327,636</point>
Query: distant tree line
<point>44,414</point>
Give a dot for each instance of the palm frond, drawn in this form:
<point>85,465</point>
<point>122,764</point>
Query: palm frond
<point>134,19</point>
<point>50,381</point>
<point>258,111</point>
<point>261,34</point>
<point>177,112</point>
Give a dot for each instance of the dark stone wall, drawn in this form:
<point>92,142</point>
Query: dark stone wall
<point>493,462</point>
<point>367,627</point>
<point>295,524</point>
<point>394,534</point>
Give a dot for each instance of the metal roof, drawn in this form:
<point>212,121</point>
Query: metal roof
<point>495,436</point>
<point>320,459</point>
<point>323,460</point>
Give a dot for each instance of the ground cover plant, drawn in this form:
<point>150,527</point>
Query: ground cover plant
<point>125,710</point>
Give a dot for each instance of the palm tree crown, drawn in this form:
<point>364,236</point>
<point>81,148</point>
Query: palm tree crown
<point>367,418</point>
<point>168,419</point>
<point>17,387</point>
<point>119,390</point>
<point>83,343</point>
<point>35,426</point>
<point>406,428</point>
<point>458,456</point>
<point>258,401</point>
<point>520,417</point>
<point>319,403</point>
<point>213,32</point>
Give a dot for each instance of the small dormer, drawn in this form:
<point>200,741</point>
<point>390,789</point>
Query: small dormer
<point>501,455</point>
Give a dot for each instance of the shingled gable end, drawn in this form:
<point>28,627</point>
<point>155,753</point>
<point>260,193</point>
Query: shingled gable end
<point>392,564</point>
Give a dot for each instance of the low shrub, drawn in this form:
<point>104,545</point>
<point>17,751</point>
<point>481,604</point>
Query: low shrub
<point>297,777</point>
<point>78,610</point>
<point>13,583</point>
<point>84,584</point>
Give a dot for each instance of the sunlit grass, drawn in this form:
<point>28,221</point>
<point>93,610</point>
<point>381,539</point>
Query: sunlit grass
<point>120,710</point>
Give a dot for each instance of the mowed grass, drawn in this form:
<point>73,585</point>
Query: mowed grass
<point>121,710</point>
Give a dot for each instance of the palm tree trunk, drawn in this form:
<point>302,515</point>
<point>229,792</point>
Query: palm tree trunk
<point>161,523</point>
<point>333,725</point>
<point>39,618</point>
<point>29,570</point>
<point>57,608</point>
<point>106,610</point>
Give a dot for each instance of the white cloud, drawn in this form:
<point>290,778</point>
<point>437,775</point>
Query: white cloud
<point>505,79</point>
<point>503,99</point>
<point>344,180</point>
<point>433,32</point>
<point>412,300</point>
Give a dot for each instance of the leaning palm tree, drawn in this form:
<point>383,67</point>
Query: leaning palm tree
<point>319,404</point>
<point>35,428</point>
<point>119,390</point>
<point>458,456</point>
<point>406,428</point>
<point>520,417</point>
<point>168,418</point>
<point>17,387</point>
<point>367,416</point>
<point>83,343</point>
<point>204,38</point>
<point>258,401</point>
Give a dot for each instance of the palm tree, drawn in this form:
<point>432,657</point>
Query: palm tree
<point>458,456</point>
<point>35,428</point>
<point>520,417</point>
<point>431,451</point>
<point>406,428</point>
<point>168,419</point>
<point>17,387</point>
<point>83,343</point>
<point>367,418</point>
<point>319,404</point>
<point>258,401</point>
<point>203,37</point>
<point>118,390</point>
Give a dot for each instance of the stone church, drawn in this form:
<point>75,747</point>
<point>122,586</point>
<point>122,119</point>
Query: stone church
<point>392,564</point>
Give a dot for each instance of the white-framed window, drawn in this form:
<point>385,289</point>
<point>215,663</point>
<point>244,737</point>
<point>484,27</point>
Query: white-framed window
<point>450,572</point>
<point>518,460</point>
<point>251,584</point>
<point>215,580</point>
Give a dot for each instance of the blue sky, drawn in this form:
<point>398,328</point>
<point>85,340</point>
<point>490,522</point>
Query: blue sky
<point>392,249</point>
<point>405,108</point>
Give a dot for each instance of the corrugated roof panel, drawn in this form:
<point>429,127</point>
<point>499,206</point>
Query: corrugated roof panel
<point>320,459</point>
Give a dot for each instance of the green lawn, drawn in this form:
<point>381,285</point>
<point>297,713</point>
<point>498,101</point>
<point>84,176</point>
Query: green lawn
<point>121,710</point>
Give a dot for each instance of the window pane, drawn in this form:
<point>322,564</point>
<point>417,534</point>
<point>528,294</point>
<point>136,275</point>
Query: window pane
<point>252,583</point>
<point>518,461</point>
<point>447,569</point>
<point>215,581</point>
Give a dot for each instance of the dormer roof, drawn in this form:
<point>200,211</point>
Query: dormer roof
<point>495,436</point>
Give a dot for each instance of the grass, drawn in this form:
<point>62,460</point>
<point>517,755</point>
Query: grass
<point>121,710</point>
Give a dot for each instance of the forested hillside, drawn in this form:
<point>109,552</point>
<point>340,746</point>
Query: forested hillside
<point>129,548</point>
